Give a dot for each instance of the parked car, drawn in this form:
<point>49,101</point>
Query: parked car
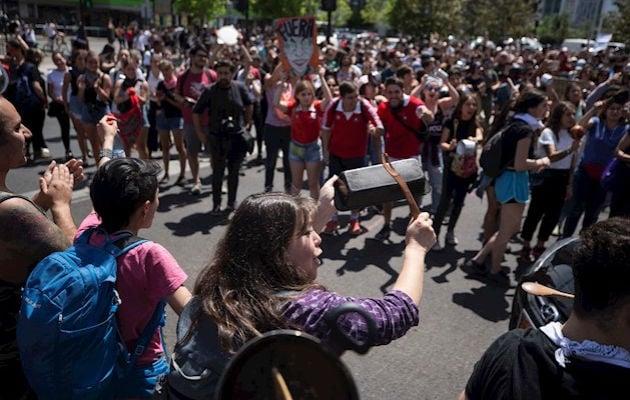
<point>553,269</point>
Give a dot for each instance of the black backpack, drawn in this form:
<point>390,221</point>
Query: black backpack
<point>491,156</point>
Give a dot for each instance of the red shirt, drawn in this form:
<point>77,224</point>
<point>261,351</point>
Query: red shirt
<point>192,87</point>
<point>305,122</point>
<point>348,131</point>
<point>400,142</point>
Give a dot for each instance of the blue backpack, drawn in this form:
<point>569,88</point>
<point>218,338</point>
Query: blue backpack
<point>67,332</point>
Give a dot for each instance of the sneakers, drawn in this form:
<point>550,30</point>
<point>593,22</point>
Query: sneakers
<point>355,227</point>
<point>384,233</point>
<point>331,227</point>
<point>43,154</point>
<point>525,255</point>
<point>69,155</point>
<point>196,189</point>
<point>216,210</point>
<point>537,252</point>
<point>474,267</point>
<point>437,246</point>
<point>450,239</point>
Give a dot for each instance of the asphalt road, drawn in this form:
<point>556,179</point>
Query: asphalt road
<point>459,315</point>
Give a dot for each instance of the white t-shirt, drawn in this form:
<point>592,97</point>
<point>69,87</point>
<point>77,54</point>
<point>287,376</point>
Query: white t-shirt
<point>564,142</point>
<point>55,77</point>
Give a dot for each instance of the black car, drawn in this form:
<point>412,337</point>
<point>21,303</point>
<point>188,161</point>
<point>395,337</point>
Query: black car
<point>553,269</point>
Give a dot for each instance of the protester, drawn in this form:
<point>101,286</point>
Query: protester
<point>403,118</point>
<point>56,107</point>
<point>603,133</point>
<point>587,357</point>
<point>549,192</point>
<point>263,277</point>
<point>349,122</point>
<point>27,235</point>
<point>462,130</point>
<point>94,89</point>
<point>512,186</point>
<point>305,152</point>
<point>229,110</point>
<point>124,194</point>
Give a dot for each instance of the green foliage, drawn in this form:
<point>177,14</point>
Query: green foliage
<point>273,9</point>
<point>499,19</point>
<point>553,29</point>
<point>620,21</point>
<point>201,10</point>
<point>421,18</point>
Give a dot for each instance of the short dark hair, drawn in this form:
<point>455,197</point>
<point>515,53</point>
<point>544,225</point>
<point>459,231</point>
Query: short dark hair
<point>403,70</point>
<point>224,63</point>
<point>120,187</point>
<point>601,268</point>
<point>394,80</point>
<point>529,99</point>
<point>196,48</point>
<point>347,87</point>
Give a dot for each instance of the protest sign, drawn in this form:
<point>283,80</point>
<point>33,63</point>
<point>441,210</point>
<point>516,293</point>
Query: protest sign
<point>297,38</point>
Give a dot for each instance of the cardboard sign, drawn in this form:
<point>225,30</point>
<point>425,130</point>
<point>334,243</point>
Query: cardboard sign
<point>297,38</point>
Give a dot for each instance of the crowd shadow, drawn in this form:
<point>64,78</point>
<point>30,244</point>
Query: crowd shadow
<point>197,222</point>
<point>488,301</point>
<point>374,253</point>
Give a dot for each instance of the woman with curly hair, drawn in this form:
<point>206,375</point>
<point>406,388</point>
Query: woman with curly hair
<point>263,277</point>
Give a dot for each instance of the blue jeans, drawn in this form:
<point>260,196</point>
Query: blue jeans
<point>588,199</point>
<point>436,178</point>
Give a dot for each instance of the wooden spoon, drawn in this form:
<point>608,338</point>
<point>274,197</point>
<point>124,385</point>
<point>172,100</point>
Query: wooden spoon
<point>537,289</point>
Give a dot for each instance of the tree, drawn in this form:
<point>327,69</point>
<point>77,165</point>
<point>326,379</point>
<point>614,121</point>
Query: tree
<point>201,10</point>
<point>273,9</point>
<point>499,19</point>
<point>620,21</point>
<point>421,18</point>
<point>553,29</point>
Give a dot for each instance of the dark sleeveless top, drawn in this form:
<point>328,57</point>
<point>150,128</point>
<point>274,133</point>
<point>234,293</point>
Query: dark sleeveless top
<point>10,301</point>
<point>74,74</point>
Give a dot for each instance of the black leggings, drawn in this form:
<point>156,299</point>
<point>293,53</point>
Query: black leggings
<point>546,204</point>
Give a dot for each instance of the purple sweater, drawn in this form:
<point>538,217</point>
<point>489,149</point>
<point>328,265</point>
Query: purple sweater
<point>394,314</point>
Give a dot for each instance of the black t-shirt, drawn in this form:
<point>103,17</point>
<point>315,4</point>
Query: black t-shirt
<point>223,102</point>
<point>169,110</point>
<point>517,130</point>
<point>464,129</point>
<point>521,365</point>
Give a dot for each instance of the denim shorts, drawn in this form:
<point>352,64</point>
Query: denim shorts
<point>165,124</point>
<point>92,113</point>
<point>308,153</point>
<point>76,106</point>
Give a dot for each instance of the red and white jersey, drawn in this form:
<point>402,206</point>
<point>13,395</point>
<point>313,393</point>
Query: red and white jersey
<point>400,142</point>
<point>349,130</point>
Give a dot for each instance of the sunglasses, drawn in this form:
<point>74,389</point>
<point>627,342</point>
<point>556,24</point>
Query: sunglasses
<point>432,88</point>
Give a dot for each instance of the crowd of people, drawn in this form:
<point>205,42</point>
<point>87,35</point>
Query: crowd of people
<point>563,118</point>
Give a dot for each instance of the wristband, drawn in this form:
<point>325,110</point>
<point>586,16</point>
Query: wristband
<point>109,153</point>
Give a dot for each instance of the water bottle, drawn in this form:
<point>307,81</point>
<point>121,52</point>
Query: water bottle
<point>119,149</point>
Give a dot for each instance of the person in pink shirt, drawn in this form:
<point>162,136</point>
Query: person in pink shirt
<point>124,193</point>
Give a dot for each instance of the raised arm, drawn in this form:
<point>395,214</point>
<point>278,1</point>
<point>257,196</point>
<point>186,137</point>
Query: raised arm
<point>419,239</point>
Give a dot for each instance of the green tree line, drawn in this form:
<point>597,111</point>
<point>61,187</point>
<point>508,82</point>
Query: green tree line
<point>495,19</point>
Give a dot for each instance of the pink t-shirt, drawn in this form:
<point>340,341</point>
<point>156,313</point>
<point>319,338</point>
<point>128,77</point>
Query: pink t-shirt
<point>146,275</point>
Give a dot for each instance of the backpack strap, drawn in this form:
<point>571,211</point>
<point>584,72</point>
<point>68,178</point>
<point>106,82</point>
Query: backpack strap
<point>158,319</point>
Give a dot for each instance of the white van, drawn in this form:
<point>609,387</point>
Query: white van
<point>575,46</point>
